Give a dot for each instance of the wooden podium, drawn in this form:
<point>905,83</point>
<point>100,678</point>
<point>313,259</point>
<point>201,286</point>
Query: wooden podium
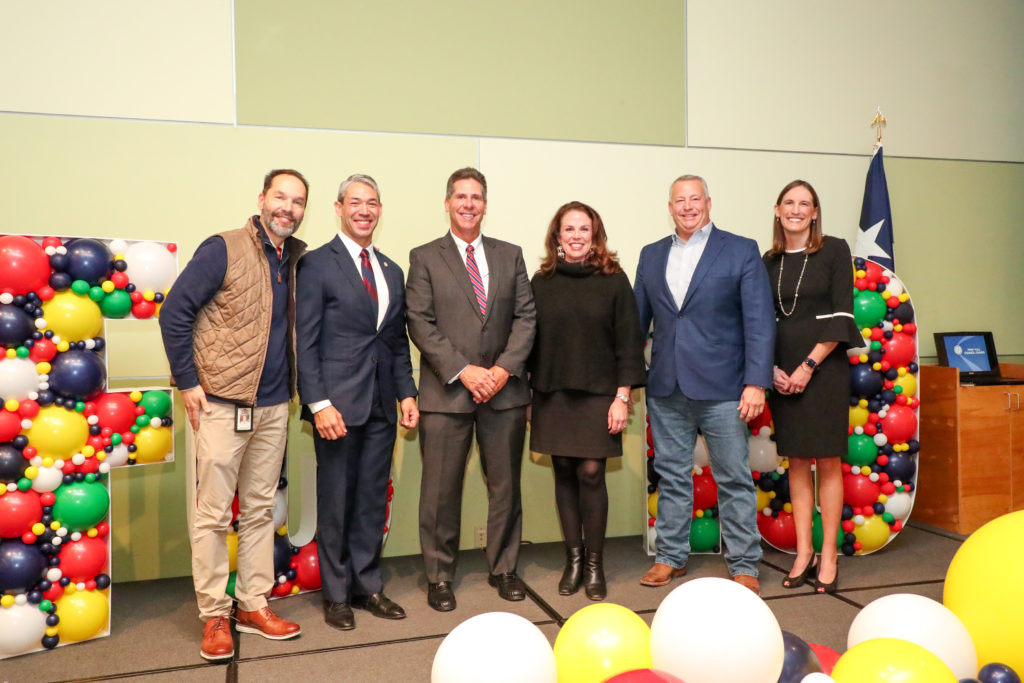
<point>971,464</point>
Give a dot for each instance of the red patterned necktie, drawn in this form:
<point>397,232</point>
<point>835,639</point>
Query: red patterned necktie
<point>368,280</point>
<point>474,277</point>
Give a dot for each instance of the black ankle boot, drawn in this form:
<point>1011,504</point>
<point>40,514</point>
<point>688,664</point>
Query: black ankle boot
<point>593,577</point>
<point>573,574</point>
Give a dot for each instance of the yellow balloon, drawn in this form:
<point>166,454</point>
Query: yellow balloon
<point>908,383</point>
<point>652,504</point>
<point>601,641</point>
<point>83,614</point>
<point>58,433</point>
<point>764,498</point>
<point>872,534</point>
<point>890,659</point>
<point>858,416</point>
<point>232,551</point>
<point>72,317</point>
<point>984,589</point>
<point>152,444</point>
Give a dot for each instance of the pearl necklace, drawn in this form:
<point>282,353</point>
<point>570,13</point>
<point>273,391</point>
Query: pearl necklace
<point>796,292</point>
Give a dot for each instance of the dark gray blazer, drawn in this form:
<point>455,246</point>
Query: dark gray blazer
<point>446,325</point>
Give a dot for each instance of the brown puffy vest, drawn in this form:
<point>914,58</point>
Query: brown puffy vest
<point>232,330</point>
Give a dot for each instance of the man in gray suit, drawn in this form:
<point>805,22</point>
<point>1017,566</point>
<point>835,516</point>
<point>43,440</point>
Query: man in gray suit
<point>471,315</point>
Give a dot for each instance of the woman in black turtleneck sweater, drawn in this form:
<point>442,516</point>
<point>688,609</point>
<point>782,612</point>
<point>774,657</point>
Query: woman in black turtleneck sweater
<point>587,357</point>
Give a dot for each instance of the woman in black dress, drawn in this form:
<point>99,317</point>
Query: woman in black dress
<point>587,356</point>
<point>813,281</point>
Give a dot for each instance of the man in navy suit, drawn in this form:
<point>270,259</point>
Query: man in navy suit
<point>353,360</point>
<point>707,292</point>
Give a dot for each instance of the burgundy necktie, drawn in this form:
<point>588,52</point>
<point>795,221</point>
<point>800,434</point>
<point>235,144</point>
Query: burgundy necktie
<point>478,282</point>
<point>368,280</point>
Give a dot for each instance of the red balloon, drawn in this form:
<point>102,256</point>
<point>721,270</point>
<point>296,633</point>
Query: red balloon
<point>762,420</point>
<point>644,676</point>
<point>19,510</point>
<point>900,350</point>
<point>143,309</point>
<point>24,266</point>
<point>10,425</point>
<point>28,408</point>
<point>83,559</point>
<point>307,567</point>
<point>43,350</point>
<point>234,509</point>
<point>899,424</point>
<point>826,655</point>
<point>779,531</point>
<point>859,491</point>
<point>705,490</point>
<point>120,279</point>
<point>116,411</point>
<point>53,595</point>
<point>282,589</point>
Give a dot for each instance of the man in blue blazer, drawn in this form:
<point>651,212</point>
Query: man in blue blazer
<point>707,292</point>
<point>353,362</point>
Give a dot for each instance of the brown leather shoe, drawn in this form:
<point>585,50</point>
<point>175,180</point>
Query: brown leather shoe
<point>661,574</point>
<point>263,622</point>
<point>748,581</point>
<point>217,642</point>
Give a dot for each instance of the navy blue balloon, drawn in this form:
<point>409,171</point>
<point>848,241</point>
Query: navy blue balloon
<point>60,281</point>
<point>864,381</point>
<point>16,326</point>
<point>904,313</point>
<point>21,565</point>
<point>12,463</point>
<point>78,374</point>
<point>900,466</point>
<point>282,554</point>
<point>998,673</point>
<point>798,659</point>
<point>88,260</point>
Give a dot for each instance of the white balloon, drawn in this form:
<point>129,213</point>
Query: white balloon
<point>919,620</point>
<point>22,626</point>
<point>117,246</point>
<point>18,377</point>
<point>497,647</point>
<point>817,677</point>
<point>48,479</point>
<point>118,456</point>
<point>150,266</point>
<point>713,630</point>
<point>763,455</point>
<point>280,508</point>
<point>899,504</point>
<point>895,286</point>
<point>701,458</point>
<point>851,352</point>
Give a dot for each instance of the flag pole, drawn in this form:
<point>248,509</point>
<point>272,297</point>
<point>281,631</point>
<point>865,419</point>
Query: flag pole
<point>878,123</point>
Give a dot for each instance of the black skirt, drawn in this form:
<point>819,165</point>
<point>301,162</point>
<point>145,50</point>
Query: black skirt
<point>573,424</point>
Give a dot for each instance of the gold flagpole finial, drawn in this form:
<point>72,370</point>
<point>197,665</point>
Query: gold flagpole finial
<point>878,123</point>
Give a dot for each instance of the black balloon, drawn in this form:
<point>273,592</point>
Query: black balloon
<point>901,466</point>
<point>998,673</point>
<point>282,554</point>
<point>21,566</point>
<point>12,463</point>
<point>904,313</point>
<point>88,260</point>
<point>78,374</point>
<point>16,326</point>
<point>865,381</point>
<point>798,659</point>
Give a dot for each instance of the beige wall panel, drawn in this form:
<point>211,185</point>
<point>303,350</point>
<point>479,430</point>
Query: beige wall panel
<point>807,76</point>
<point>118,58</point>
<point>575,70</point>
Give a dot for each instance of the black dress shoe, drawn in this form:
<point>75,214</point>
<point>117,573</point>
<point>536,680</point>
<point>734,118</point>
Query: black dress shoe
<point>440,596</point>
<point>379,605</point>
<point>509,586</point>
<point>339,615</point>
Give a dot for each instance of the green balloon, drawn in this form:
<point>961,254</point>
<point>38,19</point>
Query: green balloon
<point>142,420</point>
<point>116,304</point>
<point>860,450</point>
<point>868,308</point>
<point>22,352</point>
<point>96,294</point>
<point>81,505</point>
<point>704,534</point>
<point>231,583</point>
<point>80,287</point>
<point>818,536</point>
<point>157,403</point>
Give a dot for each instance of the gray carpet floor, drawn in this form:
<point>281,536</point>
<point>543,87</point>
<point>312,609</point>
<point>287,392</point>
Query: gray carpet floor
<point>155,631</point>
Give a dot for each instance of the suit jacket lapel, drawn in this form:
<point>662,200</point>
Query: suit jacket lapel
<point>353,277</point>
<point>711,252</point>
<point>451,256</point>
<point>495,273</point>
<point>661,267</point>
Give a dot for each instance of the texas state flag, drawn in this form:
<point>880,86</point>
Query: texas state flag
<point>875,239</point>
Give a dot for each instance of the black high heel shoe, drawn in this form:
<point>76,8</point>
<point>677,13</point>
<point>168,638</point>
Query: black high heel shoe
<point>810,571</point>
<point>828,588</point>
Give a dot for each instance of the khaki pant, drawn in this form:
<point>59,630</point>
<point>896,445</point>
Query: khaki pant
<point>224,461</point>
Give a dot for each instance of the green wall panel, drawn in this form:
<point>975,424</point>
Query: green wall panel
<point>595,70</point>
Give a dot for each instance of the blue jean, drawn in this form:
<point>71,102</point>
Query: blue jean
<point>674,423</point>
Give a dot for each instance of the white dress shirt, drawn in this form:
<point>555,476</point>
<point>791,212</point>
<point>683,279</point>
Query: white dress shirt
<point>682,262</point>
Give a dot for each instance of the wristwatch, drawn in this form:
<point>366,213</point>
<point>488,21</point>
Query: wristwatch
<point>623,398</point>
<point>811,363</point>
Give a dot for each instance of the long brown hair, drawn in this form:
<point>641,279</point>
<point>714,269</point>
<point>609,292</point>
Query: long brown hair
<point>816,239</point>
<point>605,261</point>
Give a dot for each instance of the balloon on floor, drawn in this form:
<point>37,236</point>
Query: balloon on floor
<point>497,647</point>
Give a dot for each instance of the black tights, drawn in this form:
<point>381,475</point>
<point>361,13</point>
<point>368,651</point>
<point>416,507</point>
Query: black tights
<point>582,500</point>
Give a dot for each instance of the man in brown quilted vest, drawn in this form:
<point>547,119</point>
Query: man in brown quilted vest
<point>228,327</point>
